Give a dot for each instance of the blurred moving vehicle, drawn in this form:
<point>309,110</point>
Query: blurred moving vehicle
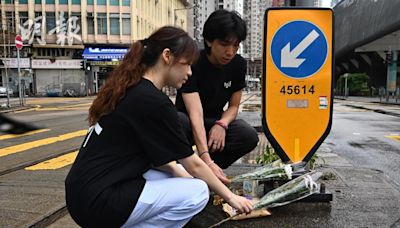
<point>3,91</point>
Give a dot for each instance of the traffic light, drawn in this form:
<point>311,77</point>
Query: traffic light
<point>83,64</point>
<point>88,67</point>
<point>389,57</point>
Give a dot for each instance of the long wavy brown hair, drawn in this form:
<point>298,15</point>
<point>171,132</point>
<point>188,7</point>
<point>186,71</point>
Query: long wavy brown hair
<point>142,55</point>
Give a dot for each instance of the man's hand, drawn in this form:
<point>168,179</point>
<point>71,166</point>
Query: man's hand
<point>216,138</point>
<point>219,173</point>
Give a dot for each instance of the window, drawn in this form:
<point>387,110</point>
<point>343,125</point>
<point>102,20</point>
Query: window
<point>38,1</point>
<point>9,1</point>
<point>23,1</point>
<point>23,17</point>
<point>50,21</point>
<point>53,52</point>
<point>10,20</point>
<point>90,2</point>
<point>101,2</point>
<point>90,22</point>
<point>114,24</point>
<point>114,2</point>
<point>101,23</point>
<point>126,2</point>
<point>126,24</point>
<point>63,2</point>
<point>76,2</point>
<point>50,1</point>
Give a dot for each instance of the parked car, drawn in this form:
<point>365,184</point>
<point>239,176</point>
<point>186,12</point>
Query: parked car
<point>3,91</point>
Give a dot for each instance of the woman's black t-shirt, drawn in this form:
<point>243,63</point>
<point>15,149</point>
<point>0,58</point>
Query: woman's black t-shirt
<point>105,181</point>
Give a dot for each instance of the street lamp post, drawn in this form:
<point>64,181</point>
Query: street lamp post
<point>346,75</point>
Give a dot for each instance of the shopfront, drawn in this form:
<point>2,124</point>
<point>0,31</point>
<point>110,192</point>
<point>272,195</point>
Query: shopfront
<point>59,77</point>
<point>102,60</point>
<point>9,74</point>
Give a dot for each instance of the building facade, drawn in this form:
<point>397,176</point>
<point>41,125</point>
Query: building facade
<point>201,10</point>
<point>59,34</point>
<point>254,15</point>
<point>316,3</point>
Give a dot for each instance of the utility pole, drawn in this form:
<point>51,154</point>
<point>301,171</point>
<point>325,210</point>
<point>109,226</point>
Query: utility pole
<point>3,26</point>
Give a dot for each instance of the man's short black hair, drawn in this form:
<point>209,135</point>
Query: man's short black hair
<point>224,25</point>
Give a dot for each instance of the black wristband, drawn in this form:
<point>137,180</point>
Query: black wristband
<point>202,153</point>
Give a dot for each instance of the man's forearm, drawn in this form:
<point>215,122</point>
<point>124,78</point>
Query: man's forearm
<point>230,114</point>
<point>199,135</point>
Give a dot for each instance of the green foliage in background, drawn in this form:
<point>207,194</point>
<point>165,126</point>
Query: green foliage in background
<point>270,156</point>
<point>357,84</point>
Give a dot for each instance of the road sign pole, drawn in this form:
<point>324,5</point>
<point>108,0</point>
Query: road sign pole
<point>21,102</point>
<point>19,44</point>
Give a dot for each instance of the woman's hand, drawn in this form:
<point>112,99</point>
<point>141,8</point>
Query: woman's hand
<point>241,204</point>
<point>219,173</point>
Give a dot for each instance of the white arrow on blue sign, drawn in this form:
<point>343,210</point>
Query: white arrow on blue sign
<point>299,49</point>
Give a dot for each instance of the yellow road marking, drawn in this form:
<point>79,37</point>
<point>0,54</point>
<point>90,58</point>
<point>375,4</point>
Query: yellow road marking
<point>62,109</point>
<point>42,142</point>
<point>10,136</point>
<point>83,106</point>
<point>55,163</point>
<point>29,109</point>
<point>77,105</point>
<point>395,137</point>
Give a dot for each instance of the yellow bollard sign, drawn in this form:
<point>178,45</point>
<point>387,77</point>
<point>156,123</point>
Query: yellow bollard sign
<point>297,80</point>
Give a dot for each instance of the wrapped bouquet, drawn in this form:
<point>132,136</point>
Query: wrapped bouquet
<point>293,190</point>
<point>275,170</point>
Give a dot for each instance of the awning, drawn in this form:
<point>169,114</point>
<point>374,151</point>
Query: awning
<point>104,53</point>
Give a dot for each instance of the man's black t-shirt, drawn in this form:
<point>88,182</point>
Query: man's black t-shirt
<point>215,85</point>
<point>105,181</point>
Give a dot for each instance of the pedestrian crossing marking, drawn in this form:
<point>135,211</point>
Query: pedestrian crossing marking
<point>10,136</point>
<point>55,163</point>
<point>42,142</point>
<point>395,137</point>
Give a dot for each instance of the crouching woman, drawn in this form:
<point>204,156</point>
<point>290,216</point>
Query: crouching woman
<point>125,173</point>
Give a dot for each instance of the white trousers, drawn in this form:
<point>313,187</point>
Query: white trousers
<point>167,201</point>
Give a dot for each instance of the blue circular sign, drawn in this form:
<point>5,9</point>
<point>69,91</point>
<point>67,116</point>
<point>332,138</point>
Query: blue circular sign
<point>299,49</point>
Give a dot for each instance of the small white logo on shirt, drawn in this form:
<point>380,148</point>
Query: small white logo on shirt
<point>227,84</point>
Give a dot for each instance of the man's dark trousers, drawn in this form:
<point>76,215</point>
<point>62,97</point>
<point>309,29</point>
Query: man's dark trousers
<point>240,139</point>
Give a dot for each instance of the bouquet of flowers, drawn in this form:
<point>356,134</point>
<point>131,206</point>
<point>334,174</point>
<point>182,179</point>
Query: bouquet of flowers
<point>293,190</point>
<point>274,170</point>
